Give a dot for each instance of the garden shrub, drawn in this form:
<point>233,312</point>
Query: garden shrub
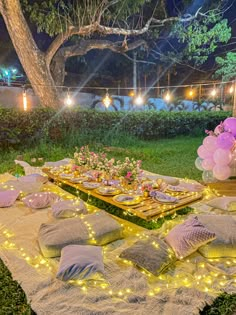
<point>43,123</point>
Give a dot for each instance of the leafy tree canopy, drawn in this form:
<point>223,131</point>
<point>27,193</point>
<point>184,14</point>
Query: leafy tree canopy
<point>227,66</point>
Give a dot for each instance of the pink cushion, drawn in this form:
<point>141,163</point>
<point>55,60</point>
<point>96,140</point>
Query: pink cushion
<point>41,200</point>
<point>186,238</point>
<point>8,197</point>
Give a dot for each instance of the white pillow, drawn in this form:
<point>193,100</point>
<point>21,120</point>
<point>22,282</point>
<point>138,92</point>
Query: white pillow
<point>223,203</point>
<point>224,226</point>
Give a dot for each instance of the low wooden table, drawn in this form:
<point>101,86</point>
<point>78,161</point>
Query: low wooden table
<point>224,188</point>
<point>148,209</point>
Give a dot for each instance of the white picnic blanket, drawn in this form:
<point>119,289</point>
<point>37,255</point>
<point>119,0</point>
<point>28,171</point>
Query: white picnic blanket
<point>183,290</point>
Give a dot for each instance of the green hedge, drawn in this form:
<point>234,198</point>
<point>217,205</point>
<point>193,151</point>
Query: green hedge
<point>18,127</point>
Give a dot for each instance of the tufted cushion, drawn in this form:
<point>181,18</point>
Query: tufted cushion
<point>186,238</point>
<point>153,255</point>
<point>80,262</point>
<point>68,208</point>
<point>41,200</point>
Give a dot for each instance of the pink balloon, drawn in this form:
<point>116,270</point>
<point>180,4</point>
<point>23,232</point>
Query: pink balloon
<point>208,164</point>
<point>218,130</point>
<point>221,172</point>
<point>210,143</point>
<point>225,140</point>
<point>222,157</point>
<point>204,153</point>
<point>230,125</point>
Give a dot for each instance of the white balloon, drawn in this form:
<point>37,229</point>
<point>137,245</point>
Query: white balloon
<point>198,164</point>
<point>208,177</point>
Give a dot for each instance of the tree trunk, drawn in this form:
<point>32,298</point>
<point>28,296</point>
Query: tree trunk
<point>32,59</point>
<point>57,68</point>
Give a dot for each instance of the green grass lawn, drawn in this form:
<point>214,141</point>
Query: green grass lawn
<point>173,157</point>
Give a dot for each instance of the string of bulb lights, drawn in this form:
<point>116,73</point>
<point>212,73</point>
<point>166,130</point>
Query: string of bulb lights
<point>138,97</point>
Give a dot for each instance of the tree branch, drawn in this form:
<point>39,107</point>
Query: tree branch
<point>86,45</point>
<point>139,61</point>
<point>106,30</point>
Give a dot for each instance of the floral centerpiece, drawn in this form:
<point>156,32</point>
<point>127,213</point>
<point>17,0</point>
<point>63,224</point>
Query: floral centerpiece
<point>90,160</point>
<point>130,169</point>
<point>217,154</point>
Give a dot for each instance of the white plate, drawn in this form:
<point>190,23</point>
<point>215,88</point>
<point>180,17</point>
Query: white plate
<point>127,199</point>
<point>108,190</point>
<point>176,188</point>
<point>78,180</point>
<point>91,185</point>
<point>163,198</point>
<point>66,176</point>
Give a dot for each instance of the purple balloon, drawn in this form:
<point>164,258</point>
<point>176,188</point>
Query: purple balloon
<point>208,164</point>
<point>222,157</point>
<point>230,125</point>
<point>204,153</point>
<point>221,172</point>
<point>210,143</point>
<point>225,140</point>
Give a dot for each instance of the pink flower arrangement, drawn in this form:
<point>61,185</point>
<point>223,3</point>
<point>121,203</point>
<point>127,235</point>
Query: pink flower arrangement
<point>129,169</point>
<point>147,187</point>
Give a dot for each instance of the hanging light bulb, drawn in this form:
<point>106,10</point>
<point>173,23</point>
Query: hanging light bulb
<point>131,93</point>
<point>107,100</point>
<point>167,96</point>
<point>139,100</point>
<point>25,103</point>
<point>231,89</point>
<point>213,92</point>
<point>68,100</point>
<point>191,92</point>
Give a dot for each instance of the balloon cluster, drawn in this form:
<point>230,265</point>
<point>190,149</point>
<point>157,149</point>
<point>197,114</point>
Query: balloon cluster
<point>217,155</point>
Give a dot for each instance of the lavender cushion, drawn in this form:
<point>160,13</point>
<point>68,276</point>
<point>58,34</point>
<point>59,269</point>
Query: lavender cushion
<point>32,178</point>
<point>24,187</point>
<point>186,238</point>
<point>41,200</point>
<point>68,208</point>
<point>8,197</point>
<point>80,262</point>
<point>153,255</point>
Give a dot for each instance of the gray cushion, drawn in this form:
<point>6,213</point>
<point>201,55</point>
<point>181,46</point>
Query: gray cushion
<point>224,226</point>
<point>153,255</point>
<point>94,229</point>
<point>81,262</point>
